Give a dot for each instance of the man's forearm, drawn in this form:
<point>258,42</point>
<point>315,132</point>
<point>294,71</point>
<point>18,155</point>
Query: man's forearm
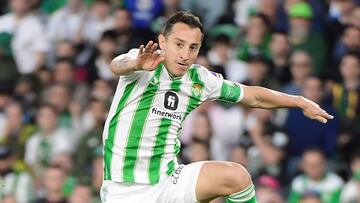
<point>123,65</point>
<point>265,98</point>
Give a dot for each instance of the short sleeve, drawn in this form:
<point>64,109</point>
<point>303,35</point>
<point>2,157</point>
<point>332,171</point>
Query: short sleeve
<point>221,89</point>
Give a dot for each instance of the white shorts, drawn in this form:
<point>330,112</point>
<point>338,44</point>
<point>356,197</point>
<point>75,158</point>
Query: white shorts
<point>177,188</point>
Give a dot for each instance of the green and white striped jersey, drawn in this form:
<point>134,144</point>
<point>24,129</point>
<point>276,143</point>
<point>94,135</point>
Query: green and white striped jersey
<point>141,132</point>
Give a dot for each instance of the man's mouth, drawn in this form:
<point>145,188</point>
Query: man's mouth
<point>182,64</point>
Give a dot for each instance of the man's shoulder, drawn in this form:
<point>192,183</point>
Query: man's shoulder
<point>6,17</point>
<point>204,71</point>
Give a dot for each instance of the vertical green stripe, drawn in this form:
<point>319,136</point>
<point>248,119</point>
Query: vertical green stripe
<point>175,85</point>
<point>109,142</point>
<point>137,126</point>
<point>158,150</point>
<point>160,144</point>
<point>196,89</point>
<point>171,167</point>
<point>230,92</point>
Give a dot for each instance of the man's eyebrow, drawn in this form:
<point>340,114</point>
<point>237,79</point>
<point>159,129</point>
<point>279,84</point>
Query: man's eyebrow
<point>181,40</point>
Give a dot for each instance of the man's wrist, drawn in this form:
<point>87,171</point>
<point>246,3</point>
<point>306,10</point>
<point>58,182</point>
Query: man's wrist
<point>134,66</point>
<point>299,102</point>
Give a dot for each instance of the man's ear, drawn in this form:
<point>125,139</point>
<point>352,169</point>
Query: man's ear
<point>162,40</point>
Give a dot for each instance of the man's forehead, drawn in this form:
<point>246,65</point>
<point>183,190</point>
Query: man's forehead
<point>183,32</point>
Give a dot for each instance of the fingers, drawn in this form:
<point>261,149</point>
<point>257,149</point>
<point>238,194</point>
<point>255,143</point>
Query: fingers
<point>326,115</point>
<point>321,115</point>
<point>321,119</point>
<point>150,48</point>
<point>141,49</point>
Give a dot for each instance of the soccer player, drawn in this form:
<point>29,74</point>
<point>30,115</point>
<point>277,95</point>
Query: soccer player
<point>157,89</point>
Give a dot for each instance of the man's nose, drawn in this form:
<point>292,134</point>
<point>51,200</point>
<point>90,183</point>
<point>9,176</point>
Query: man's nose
<point>185,54</point>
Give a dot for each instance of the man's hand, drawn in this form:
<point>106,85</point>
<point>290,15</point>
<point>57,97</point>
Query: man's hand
<point>149,57</point>
<point>313,110</point>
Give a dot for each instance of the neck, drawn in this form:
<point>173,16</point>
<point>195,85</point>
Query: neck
<point>20,16</point>
<point>54,196</point>
<point>352,83</point>
<point>47,132</point>
<point>280,59</point>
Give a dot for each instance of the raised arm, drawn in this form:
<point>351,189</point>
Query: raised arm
<point>147,59</point>
<point>260,97</point>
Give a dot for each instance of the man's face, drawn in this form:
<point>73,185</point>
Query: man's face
<point>47,119</point>
<point>350,67</point>
<point>20,6</point>
<point>181,48</point>
<point>312,89</point>
<point>313,165</point>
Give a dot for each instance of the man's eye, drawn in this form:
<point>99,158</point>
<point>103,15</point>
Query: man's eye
<point>179,45</point>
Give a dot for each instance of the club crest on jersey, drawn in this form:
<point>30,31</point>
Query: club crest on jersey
<point>196,89</point>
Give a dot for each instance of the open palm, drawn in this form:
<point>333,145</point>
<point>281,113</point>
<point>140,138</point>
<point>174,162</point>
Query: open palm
<point>149,56</point>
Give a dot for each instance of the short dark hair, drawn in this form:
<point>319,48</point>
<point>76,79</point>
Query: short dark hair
<point>316,150</point>
<point>183,17</point>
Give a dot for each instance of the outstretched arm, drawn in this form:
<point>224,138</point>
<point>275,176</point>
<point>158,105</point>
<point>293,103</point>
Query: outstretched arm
<point>147,59</point>
<point>260,97</point>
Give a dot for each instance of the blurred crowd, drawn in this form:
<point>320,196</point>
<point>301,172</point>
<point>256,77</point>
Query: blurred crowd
<point>56,88</point>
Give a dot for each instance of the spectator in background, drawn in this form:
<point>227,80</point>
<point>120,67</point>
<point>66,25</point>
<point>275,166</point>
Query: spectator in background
<point>50,141</point>
<point>28,41</point>
<point>302,38</point>
<point>304,134</point>
<point>64,74</point>
<point>106,51</point>
<point>355,17</point>
<point>92,140</point>
<point>238,154</point>
<point>17,131</point>
<point>209,12</point>
<point>310,197</point>
<point>14,183</point>
<point>97,175</point>
<point>300,67</point>
<point>351,191</point>
<point>345,99</point>
<point>316,179</point>
<point>170,8</point>
<point>53,179</point>
<point>280,51</point>
<point>126,36</point>
<point>258,70</point>
<point>102,91</point>
<point>349,42</point>
<point>268,190</point>
<point>5,99</point>
<point>339,16</point>
<point>8,199</point>
<point>258,33</point>
<point>72,23</point>
<point>59,96</point>
<point>102,20</point>
<point>197,150</point>
<point>264,144</point>
<point>8,72</point>
<point>26,93</point>
<point>82,194</point>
